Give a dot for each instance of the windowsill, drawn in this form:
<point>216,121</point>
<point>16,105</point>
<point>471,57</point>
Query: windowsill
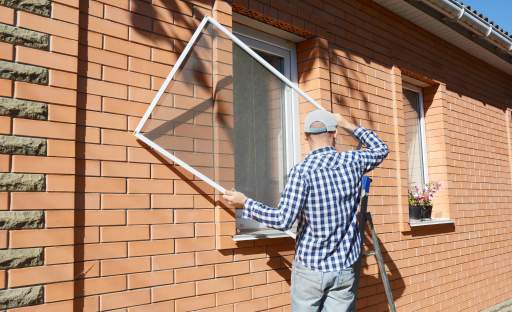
<point>259,234</point>
<point>420,223</point>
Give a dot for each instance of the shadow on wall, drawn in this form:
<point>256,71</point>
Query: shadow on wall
<point>371,295</point>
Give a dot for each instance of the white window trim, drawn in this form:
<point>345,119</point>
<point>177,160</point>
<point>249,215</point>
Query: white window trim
<point>424,159</point>
<point>271,44</point>
<point>173,72</point>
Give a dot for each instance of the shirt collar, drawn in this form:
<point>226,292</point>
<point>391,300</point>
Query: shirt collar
<point>323,150</point>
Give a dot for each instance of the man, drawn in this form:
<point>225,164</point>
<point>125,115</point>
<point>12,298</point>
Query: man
<point>323,192</point>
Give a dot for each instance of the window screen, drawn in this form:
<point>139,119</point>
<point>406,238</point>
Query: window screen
<point>413,111</point>
<point>221,115</point>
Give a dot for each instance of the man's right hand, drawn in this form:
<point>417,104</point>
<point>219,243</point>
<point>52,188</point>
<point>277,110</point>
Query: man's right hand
<point>345,124</point>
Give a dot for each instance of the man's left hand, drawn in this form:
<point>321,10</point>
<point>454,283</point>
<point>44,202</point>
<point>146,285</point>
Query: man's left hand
<point>235,199</point>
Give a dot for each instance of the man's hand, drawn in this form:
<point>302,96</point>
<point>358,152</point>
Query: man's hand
<point>345,124</point>
<point>235,199</point>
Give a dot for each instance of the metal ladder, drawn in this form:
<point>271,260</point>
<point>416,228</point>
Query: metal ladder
<point>366,219</point>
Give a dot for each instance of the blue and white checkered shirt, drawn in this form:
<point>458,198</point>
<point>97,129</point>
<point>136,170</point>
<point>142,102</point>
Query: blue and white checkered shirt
<point>323,192</point>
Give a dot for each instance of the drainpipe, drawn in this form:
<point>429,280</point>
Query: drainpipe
<point>471,21</point>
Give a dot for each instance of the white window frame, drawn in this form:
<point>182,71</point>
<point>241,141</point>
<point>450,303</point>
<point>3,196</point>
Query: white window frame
<point>207,20</point>
<point>424,159</point>
<point>273,45</point>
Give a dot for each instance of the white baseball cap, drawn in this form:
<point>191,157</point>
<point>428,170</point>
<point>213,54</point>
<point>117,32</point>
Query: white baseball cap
<point>323,116</point>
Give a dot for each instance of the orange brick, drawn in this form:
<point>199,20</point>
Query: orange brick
<point>167,306</point>
<point>230,269</point>
<point>193,274</point>
<point>60,148</point>
<point>172,261</point>
<point>105,152</point>
<point>60,183</point>
<point>40,275</point>
<point>121,169</point>
<point>59,291</point>
<point>127,48</point>
<point>5,123</point>
<point>45,129</point>
<point>101,184</point>
<point>6,51</point>
<point>107,58</point>
<point>213,256</point>
<point>50,26</point>
<point>148,279</point>
<point>104,217</point>
<point>172,291</point>
<point>124,107</point>
<point>62,113</point>
<point>123,266</point>
<point>105,120</point>
<point>125,299</point>
<point>6,15</point>
<point>144,155</point>
<point>252,279</point>
<point>89,135</point>
<point>59,254</point>
<point>38,200</point>
<point>103,26</point>
<point>63,45</point>
<point>194,215</point>
<point>152,247</point>
<point>6,87</point>
<point>149,186</point>
<point>186,187</point>
<point>232,296</point>
<point>124,233</point>
<point>147,67</point>
<point>169,172</point>
<point>46,59</point>
<point>65,13</point>
<point>194,244</point>
<point>194,303</point>
<point>59,218</point>
<point>150,216</point>
<point>161,231</point>
<point>38,164</point>
<point>116,137</point>
<point>171,201</point>
<point>104,251</point>
<point>204,229</point>
<point>4,239</point>
<point>150,39</point>
<point>267,290</point>
<point>162,56</point>
<point>127,18</point>
<point>36,92</point>
<point>105,88</point>
<point>124,201</point>
<point>126,77</point>
<point>4,201</point>
<point>214,285</point>
<point>3,279</point>
<point>140,95</point>
<point>63,79</point>
<point>5,163</point>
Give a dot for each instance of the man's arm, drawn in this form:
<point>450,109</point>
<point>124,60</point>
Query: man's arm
<point>282,218</point>
<point>376,150</point>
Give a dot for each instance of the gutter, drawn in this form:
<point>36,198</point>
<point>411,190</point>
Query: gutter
<point>460,14</point>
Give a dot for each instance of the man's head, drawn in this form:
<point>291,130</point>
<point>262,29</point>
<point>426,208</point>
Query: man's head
<point>320,129</point>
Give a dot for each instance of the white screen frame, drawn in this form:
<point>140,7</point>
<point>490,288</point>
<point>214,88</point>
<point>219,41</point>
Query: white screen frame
<point>207,20</point>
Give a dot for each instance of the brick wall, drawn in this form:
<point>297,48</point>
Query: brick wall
<point>91,219</point>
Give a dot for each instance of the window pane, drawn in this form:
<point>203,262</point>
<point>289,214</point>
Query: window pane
<point>259,99</point>
<point>414,142</point>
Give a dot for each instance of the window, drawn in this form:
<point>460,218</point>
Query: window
<point>415,135</point>
<point>265,126</point>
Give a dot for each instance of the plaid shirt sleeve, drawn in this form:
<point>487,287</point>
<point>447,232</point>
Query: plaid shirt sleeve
<point>292,200</point>
<point>375,152</point>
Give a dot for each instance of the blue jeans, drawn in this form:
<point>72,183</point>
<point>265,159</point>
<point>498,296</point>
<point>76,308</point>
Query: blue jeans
<point>322,291</point>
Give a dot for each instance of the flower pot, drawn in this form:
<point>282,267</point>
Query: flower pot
<point>420,212</point>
